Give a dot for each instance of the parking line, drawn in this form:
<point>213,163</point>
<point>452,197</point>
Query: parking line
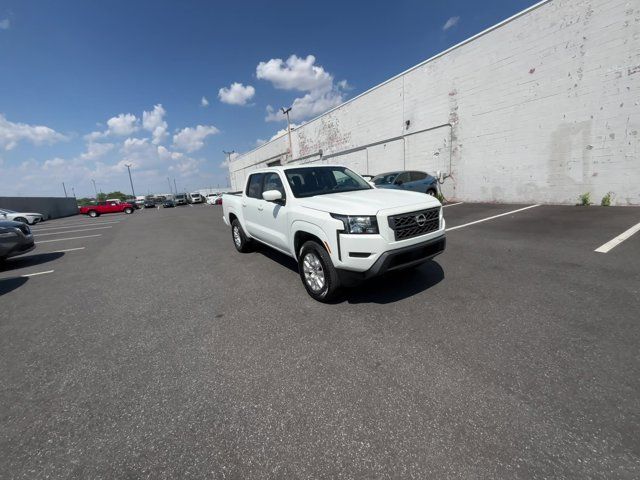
<point>37,273</point>
<point>71,231</point>
<point>88,224</point>
<point>618,240</point>
<point>68,250</point>
<point>494,216</point>
<point>452,204</point>
<point>70,238</point>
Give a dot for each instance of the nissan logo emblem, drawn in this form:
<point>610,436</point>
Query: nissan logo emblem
<point>421,220</point>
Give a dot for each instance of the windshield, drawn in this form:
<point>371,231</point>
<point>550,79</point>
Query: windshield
<point>307,182</point>
<point>384,178</point>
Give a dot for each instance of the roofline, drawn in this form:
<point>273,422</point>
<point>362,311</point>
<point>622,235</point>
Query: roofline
<point>410,69</point>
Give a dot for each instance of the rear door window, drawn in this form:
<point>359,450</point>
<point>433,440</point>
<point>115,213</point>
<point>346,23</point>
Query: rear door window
<point>254,187</point>
<point>417,176</point>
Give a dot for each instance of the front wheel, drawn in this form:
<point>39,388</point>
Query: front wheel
<point>317,272</point>
<point>240,240</point>
<point>128,210</point>
<point>432,192</point>
<point>93,213</point>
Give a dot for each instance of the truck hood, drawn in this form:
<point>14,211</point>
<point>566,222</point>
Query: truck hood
<point>368,202</point>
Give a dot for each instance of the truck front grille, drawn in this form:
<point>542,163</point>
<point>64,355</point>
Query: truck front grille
<point>414,224</point>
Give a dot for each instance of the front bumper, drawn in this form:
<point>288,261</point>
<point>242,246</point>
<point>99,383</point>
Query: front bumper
<point>397,259</point>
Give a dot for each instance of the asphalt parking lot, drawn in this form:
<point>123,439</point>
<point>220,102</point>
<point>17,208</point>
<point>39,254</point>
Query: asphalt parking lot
<point>145,346</point>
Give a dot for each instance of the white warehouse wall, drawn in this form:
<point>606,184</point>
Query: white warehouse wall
<point>541,108</point>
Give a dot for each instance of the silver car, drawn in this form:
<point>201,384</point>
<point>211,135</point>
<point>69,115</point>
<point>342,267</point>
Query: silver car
<point>25,217</point>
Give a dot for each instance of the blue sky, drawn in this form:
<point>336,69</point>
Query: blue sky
<point>77,76</point>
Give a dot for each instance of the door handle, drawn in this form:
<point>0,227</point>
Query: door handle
<point>260,207</point>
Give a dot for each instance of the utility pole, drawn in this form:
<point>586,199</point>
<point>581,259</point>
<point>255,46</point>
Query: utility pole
<point>94,188</point>
<point>73,190</point>
<point>131,181</point>
<point>286,112</point>
<point>169,182</point>
<point>228,154</point>
<point>174,184</point>
<point>65,190</point>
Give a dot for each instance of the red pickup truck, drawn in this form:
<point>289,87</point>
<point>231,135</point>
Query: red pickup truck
<point>106,207</point>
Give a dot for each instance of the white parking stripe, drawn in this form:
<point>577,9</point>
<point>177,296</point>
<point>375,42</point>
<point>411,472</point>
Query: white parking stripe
<point>68,250</point>
<point>70,231</point>
<point>74,225</point>
<point>618,240</point>
<point>452,204</point>
<point>491,218</point>
<point>70,238</point>
<point>37,273</point>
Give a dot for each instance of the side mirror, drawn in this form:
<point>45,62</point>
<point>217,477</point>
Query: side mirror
<point>272,195</point>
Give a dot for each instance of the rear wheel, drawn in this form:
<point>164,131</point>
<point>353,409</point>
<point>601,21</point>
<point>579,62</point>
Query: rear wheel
<point>93,213</point>
<point>432,192</point>
<point>317,272</point>
<point>128,210</point>
<point>240,240</point>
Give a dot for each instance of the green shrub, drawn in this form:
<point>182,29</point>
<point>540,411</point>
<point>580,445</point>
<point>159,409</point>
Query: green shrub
<point>440,197</point>
<point>606,200</point>
<point>585,199</point>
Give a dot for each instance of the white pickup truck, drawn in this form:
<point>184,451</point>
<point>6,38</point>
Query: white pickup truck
<point>338,227</point>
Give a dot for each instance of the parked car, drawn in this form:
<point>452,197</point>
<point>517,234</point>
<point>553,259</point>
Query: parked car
<point>168,203</point>
<point>15,239</point>
<point>181,199</point>
<point>196,197</point>
<point>212,197</point>
<point>339,228</point>
<point>25,217</point>
<point>149,204</point>
<point>114,206</point>
<point>133,203</point>
<point>408,180</point>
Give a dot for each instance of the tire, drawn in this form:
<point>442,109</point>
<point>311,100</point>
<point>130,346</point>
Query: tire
<point>432,192</point>
<point>317,272</point>
<point>240,240</point>
<point>93,214</point>
<point>128,211</point>
<point>21,219</point>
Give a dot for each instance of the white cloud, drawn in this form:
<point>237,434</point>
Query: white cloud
<point>13,133</point>
<point>122,125</point>
<point>204,102</point>
<point>283,131</point>
<point>192,139</point>
<point>5,24</point>
<point>302,74</point>
<point>451,22</point>
<point>153,122</point>
<point>96,150</point>
<point>53,163</point>
<point>295,74</point>
<point>236,94</point>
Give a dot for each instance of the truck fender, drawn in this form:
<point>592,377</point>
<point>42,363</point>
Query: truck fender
<point>303,226</point>
<point>238,215</point>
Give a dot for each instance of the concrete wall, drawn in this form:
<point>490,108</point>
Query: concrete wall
<point>540,108</point>
<point>49,207</point>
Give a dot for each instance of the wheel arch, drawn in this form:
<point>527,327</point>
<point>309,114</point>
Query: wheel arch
<point>302,232</point>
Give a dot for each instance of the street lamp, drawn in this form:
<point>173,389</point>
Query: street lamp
<point>130,181</point>
<point>286,111</point>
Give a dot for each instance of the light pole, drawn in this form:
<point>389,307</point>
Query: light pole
<point>174,184</point>
<point>286,112</point>
<point>169,182</point>
<point>73,190</point>
<point>94,188</point>
<point>131,181</point>
<point>65,190</point>
<point>228,154</point>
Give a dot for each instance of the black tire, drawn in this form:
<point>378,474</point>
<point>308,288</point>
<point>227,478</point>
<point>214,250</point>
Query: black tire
<point>321,281</point>
<point>432,192</point>
<point>128,210</point>
<point>93,214</point>
<point>240,240</point>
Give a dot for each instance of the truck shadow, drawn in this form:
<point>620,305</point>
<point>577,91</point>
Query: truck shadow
<point>9,284</point>
<point>389,288</point>
<point>395,286</point>
<point>29,261</point>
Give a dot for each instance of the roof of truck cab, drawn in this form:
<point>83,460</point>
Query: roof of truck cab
<point>283,168</point>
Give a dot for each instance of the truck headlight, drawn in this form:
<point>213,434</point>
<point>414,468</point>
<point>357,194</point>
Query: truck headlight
<point>358,224</point>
